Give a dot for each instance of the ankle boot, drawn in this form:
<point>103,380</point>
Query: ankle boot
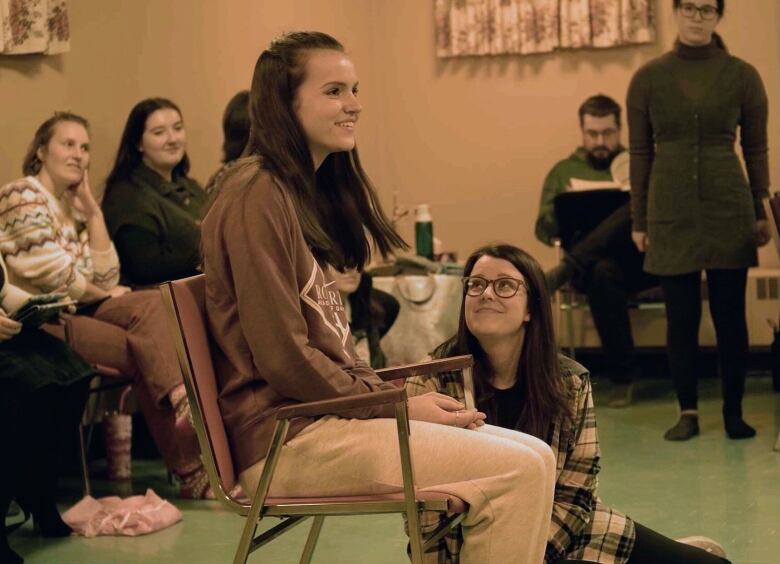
<point>736,428</point>
<point>37,494</point>
<point>686,428</point>
<point>46,517</point>
<point>559,275</point>
<point>7,556</point>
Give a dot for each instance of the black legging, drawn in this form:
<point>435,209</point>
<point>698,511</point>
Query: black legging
<point>653,548</point>
<point>34,427</point>
<point>682,295</point>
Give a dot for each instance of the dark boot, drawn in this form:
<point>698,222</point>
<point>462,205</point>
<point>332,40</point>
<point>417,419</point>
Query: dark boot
<point>686,428</point>
<point>7,556</point>
<point>736,428</point>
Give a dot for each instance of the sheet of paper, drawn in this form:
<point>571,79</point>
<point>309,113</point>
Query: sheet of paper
<point>579,184</point>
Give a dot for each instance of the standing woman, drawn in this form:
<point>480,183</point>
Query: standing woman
<point>152,207</point>
<point>692,207</point>
<point>299,204</point>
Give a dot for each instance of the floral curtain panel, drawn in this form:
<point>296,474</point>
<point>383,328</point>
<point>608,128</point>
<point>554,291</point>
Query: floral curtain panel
<point>34,26</point>
<point>496,27</point>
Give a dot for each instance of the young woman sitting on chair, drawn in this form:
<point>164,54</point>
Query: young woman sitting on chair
<point>299,203</point>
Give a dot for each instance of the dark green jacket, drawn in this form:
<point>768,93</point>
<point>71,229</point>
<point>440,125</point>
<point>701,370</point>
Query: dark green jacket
<point>557,181</point>
<point>688,190</point>
<point>155,226</point>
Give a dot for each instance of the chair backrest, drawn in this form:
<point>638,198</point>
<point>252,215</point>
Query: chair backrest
<point>185,300</point>
<point>774,205</point>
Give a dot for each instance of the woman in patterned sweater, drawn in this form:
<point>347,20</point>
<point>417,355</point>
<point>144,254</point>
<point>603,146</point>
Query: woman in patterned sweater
<point>522,383</point>
<point>53,238</point>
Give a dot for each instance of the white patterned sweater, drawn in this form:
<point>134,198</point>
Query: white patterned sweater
<point>45,248</point>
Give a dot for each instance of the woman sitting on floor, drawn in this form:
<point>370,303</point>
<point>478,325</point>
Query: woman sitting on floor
<point>522,383</point>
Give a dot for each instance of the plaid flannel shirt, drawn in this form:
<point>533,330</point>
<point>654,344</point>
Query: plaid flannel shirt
<point>581,526</point>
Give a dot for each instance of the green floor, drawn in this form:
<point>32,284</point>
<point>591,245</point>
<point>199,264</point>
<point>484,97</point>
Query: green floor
<point>729,490</point>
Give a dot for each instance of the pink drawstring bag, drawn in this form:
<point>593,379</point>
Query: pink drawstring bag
<point>133,516</point>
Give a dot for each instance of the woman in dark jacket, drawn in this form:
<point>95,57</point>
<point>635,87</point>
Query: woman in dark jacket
<point>152,208</point>
<point>692,207</point>
<point>43,388</point>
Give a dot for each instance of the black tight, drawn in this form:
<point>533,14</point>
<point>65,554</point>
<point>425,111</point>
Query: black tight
<point>653,548</point>
<point>683,311</point>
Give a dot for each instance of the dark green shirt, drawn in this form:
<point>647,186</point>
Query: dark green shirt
<point>688,189</point>
<point>557,182</point>
<point>155,226</point>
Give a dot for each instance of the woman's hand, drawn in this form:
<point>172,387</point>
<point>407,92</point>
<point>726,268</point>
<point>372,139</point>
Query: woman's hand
<point>640,240</point>
<point>83,200</point>
<point>763,232</point>
<point>118,291</point>
<point>438,408</point>
<point>8,327</point>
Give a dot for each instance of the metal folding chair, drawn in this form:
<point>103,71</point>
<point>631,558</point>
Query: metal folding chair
<point>185,300</point>
<point>106,378</point>
<point>774,206</point>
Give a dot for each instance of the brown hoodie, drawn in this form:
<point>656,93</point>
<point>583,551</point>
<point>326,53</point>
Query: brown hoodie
<point>278,320</point>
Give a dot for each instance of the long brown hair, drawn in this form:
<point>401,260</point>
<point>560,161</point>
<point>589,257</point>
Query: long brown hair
<point>235,126</point>
<point>31,164</point>
<point>336,204</point>
<point>542,393</point>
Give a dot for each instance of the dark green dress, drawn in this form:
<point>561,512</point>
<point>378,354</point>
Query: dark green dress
<point>155,226</point>
<point>688,189</point>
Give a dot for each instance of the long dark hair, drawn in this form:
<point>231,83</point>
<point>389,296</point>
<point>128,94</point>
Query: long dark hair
<point>235,126</point>
<point>128,157</point>
<point>336,204</point>
<point>542,393</point>
<point>31,164</point>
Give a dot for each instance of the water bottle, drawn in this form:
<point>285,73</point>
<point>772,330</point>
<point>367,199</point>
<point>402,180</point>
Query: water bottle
<point>423,231</point>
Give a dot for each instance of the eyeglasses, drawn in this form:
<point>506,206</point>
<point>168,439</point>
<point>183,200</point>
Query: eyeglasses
<point>502,287</point>
<point>595,134</point>
<point>708,12</point>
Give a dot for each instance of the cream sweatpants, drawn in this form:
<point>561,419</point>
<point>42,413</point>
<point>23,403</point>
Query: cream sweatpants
<point>507,477</point>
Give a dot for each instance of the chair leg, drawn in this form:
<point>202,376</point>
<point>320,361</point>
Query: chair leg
<point>570,325</point>
<point>311,541</point>
<point>84,468</point>
<point>247,536</point>
<point>415,538</point>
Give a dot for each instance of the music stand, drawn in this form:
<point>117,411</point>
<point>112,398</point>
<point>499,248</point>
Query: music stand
<point>578,213</point>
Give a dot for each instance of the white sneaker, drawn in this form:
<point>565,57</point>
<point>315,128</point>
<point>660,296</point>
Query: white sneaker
<point>706,544</point>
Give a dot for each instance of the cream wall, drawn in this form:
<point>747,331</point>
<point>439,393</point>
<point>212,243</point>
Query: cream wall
<point>198,53</point>
<point>472,137</point>
<point>475,137</point>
